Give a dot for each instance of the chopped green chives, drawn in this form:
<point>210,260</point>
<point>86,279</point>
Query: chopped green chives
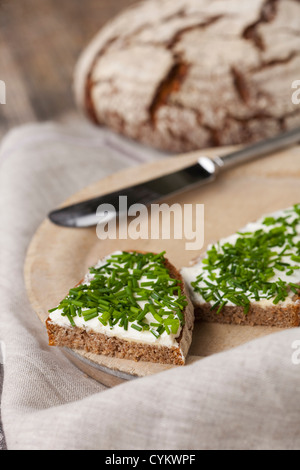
<point>72,310</point>
<point>161,329</point>
<point>106,316</point>
<point>136,327</point>
<point>248,269</point>
<point>155,333</point>
<point>124,290</point>
<point>135,310</point>
<point>141,316</point>
<point>151,309</point>
<point>89,312</point>
<point>90,316</point>
<point>77,303</point>
<point>70,319</point>
<point>103,302</point>
<point>74,291</point>
<point>158,318</point>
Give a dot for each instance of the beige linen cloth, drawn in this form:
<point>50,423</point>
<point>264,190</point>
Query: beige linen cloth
<point>245,398</point>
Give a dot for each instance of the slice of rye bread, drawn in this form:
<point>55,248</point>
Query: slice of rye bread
<point>109,345</point>
<point>284,314</point>
<point>280,316</point>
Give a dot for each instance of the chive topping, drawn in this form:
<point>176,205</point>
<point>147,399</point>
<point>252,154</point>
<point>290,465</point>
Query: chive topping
<point>131,290</point>
<point>256,266</point>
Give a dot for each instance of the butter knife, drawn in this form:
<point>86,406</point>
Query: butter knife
<point>84,214</point>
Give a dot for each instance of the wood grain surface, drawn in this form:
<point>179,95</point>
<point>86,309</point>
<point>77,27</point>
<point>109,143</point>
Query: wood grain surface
<point>59,257</point>
<point>40,42</point>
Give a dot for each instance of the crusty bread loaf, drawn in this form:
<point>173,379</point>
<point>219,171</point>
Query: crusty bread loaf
<point>87,339</point>
<point>187,74</point>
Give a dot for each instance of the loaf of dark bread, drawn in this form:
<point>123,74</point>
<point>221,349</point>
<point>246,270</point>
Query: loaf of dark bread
<point>109,342</point>
<point>187,74</point>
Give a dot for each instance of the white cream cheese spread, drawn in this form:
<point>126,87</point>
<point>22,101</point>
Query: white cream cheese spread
<point>258,264</point>
<point>160,324</point>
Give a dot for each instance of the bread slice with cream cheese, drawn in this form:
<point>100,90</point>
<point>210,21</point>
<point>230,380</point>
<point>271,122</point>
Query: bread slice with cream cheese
<point>130,305</point>
<point>251,277</point>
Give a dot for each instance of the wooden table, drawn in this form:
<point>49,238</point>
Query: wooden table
<point>40,42</point>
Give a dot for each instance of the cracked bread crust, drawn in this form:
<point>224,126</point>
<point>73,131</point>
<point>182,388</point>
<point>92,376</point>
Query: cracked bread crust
<point>191,74</point>
<point>98,343</point>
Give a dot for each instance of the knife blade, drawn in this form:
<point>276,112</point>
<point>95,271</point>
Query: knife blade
<point>84,214</point>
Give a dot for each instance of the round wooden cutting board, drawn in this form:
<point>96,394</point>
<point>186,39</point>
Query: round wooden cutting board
<point>59,257</point>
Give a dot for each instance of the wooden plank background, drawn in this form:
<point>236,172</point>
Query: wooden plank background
<point>40,41</point>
